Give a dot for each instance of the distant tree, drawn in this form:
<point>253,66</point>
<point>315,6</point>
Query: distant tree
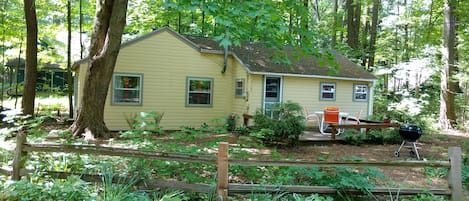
<point>448,89</point>
<point>105,45</point>
<point>353,23</point>
<point>30,72</point>
<point>373,32</point>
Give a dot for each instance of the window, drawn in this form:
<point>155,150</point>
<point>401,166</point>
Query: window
<point>199,91</point>
<point>239,88</point>
<point>127,89</point>
<point>327,91</point>
<point>360,92</point>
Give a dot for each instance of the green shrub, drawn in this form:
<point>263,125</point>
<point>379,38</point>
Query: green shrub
<point>374,136</point>
<point>384,136</point>
<point>288,127</point>
<point>354,137</point>
<point>465,173</point>
<point>143,125</point>
<point>71,189</point>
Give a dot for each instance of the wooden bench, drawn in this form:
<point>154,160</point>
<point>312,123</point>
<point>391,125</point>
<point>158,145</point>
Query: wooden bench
<point>367,126</point>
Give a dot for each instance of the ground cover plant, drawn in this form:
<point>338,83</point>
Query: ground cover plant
<point>192,141</point>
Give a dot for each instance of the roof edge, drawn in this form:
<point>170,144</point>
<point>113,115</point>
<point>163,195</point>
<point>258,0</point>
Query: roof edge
<point>314,76</point>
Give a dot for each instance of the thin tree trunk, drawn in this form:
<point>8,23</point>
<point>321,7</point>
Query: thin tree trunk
<point>353,23</point>
<point>104,49</point>
<point>4,8</point>
<point>69,60</point>
<point>30,70</point>
<point>81,29</point>
<point>316,9</point>
<point>364,36</point>
<point>373,32</point>
<point>334,28</point>
<point>447,118</point>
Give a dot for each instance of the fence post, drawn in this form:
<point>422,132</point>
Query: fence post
<point>17,163</point>
<point>222,172</point>
<point>455,173</point>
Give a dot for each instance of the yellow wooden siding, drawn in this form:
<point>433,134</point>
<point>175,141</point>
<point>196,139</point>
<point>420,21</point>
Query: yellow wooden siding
<point>306,92</point>
<point>240,104</point>
<point>256,92</point>
<point>166,62</point>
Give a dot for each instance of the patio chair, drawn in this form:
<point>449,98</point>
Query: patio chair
<point>311,117</point>
<point>332,108</point>
<point>354,119</point>
<point>330,117</point>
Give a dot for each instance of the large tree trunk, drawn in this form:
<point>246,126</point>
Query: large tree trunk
<point>105,45</point>
<point>30,70</point>
<point>447,118</point>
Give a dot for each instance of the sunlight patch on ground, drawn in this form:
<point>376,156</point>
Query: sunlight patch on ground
<point>63,101</point>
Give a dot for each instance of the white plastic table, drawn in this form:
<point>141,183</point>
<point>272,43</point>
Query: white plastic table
<point>321,122</point>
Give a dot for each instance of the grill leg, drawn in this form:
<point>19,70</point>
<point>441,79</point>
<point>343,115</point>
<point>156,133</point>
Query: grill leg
<point>396,153</point>
<point>402,145</point>
<point>416,151</point>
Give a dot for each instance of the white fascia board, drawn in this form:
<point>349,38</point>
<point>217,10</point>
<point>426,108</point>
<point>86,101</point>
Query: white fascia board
<point>313,76</point>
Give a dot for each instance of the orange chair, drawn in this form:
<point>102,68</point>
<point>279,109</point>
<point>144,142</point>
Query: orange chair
<point>330,117</point>
<point>331,108</point>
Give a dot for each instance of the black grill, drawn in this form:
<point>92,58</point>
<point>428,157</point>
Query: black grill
<point>410,133</point>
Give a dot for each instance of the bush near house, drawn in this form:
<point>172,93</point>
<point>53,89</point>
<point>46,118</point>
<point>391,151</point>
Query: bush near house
<point>287,128</point>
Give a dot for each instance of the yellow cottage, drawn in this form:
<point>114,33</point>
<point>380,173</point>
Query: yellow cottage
<point>193,81</point>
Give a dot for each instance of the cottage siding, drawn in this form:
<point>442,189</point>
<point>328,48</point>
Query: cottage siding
<point>166,62</point>
<point>306,92</point>
<point>256,91</point>
<point>240,104</point>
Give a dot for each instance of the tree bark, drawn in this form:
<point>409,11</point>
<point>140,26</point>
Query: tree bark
<point>447,118</point>
<point>373,32</point>
<point>30,70</point>
<point>336,21</point>
<point>69,59</point>
<point>353,23</point>
<point>105,45</point>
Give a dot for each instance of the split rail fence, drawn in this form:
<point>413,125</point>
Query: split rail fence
<point>223,188</point>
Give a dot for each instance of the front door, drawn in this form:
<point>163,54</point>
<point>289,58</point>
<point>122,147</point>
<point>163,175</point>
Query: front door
<point>272,96</point>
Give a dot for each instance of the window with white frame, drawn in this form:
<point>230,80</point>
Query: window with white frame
<point>327,91</point>
<point>360,92</point>
<point>199,91</point>
<point>127,89</point>
<point>239,88</point>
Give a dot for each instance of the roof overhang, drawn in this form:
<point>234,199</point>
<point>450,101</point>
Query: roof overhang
<point>313,76</point>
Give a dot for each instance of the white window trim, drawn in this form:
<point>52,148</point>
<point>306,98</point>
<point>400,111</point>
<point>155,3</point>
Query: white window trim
<point>140,76</point>
<point>321,87</point>
<point>243,89</point>
<point>355,93</point>
<point>188,79</point>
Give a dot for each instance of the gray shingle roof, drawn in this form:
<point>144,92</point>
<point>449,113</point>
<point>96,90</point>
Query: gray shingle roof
<point>262,60</point>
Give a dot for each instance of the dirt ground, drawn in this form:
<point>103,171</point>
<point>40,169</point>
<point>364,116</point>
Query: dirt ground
<point>429,147</point>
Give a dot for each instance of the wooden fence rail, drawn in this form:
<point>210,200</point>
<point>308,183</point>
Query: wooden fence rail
<point>223,187</point>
